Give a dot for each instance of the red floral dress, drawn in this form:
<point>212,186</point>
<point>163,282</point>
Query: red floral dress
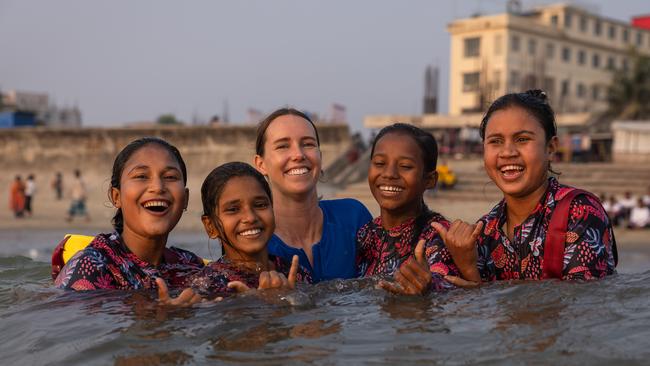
<point>107,263</point>
<point>588,250</point>
<point>380,252</point>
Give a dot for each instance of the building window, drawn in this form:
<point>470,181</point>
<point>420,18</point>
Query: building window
<point>611,63</point>
<point>550,50</point>
<point>580,91</point>
<point>566,54</point>
<point>612,31</point>
<point>470,81</point>
<point>554,20</point>
<point>583,23</point>
<point>565,88</point>
<point>567,20</point>
<point>595,92</point>
<point>625,64</point>
<point>472,47</point>
<point>595,60</point>
<point>497,80</point>
<point>639,38</point>
<point>598,27</point>
<point>532,46</point>
<point>514,80</point>
<point>549,85</point>
<point>498,41</point>
<point>515,43</point>
<point>626,35</point>
<point>582,56</point>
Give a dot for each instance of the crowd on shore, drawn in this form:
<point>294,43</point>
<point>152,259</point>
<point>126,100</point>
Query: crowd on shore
<point>632,212</point>
<point>22,194</point>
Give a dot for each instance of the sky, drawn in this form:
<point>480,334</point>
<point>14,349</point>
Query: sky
<point>124,61</point>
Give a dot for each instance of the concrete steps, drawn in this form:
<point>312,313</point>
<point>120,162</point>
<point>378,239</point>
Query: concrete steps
<point>475,185</point>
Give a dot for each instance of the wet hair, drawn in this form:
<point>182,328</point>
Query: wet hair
<point>266,122</point>
<point>532,101</point>
<point>429,151</point>
<point>216,181</point>
<point>123,157</point>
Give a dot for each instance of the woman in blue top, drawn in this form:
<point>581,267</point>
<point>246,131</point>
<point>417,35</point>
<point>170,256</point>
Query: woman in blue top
<point>321,233</point>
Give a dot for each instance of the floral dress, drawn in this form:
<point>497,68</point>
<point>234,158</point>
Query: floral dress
<point>588,250</point>
<point>380,252</point>
<point>107,263</point>
<point>213,280</point>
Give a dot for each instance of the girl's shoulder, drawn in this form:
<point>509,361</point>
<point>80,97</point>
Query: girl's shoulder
<point>345,211</point>
<point>182,256</point>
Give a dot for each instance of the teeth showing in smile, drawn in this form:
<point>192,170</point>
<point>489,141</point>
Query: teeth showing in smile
<point>390,188</point>
<point>157,206</point>
<point>511,169</point>
<point>298,171</point>
<point>250,232</point>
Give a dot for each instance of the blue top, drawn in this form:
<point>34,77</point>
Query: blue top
<point>334,255</point>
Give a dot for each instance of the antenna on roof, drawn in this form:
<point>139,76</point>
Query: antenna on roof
<point>514,7</point>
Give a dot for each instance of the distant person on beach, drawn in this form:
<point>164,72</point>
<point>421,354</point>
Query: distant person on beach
<point>238,210</point>
<point>78,194</point>
<point>541,229</point>
<point>400,242</point>
<point>57,185</point>
<point>17,197</point>
<point>614,210</point>
<point>322,233</point>
<point>148,188</point>
<point>30,190</point>
<point>639,216</point>
<point>628,202</point>
<point>646,198</point>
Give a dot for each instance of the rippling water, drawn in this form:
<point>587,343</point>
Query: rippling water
<point>340,322</point>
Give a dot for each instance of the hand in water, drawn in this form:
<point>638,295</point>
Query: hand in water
<point>271,279</point>
<point>460,240</point>
<point>187,298</point>
<point>413,277</point>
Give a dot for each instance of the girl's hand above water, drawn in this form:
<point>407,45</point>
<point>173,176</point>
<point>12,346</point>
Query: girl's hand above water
<point>413,277</point>
<point>187,298</point>
<point>271,279</point>
<point>460,241</point>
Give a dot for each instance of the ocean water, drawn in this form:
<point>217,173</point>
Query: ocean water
<point>338,322</point>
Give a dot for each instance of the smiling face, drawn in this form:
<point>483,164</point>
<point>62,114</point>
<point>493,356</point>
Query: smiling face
<point>245,213</point>
<point>516,153</point>
<point>152,194</point>
<point>292,158</point>
<point>397,178</point>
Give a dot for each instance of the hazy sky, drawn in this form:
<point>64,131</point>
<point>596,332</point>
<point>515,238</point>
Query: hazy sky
<point>123,61</point>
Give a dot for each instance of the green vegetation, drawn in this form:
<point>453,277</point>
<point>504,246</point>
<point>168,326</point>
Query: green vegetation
<point>629,93</point>
<point>168,119</point>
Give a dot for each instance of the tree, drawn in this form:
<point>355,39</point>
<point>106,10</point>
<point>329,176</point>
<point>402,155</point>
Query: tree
<point>168,119</point>
<point>629,94</point>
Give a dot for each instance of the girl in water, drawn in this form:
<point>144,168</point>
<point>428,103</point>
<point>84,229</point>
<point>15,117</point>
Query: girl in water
<point>541,228</point>
<point>402,167</point>
<point>322,233</point>
<point>148,188</point>
<point>238,210</point>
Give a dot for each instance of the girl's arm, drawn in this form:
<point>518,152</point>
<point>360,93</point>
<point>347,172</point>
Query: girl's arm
<point>460,240</point>
<point>86,271</point>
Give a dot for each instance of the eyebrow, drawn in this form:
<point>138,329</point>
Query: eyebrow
<point>398,158</point>
<point>237,200</point>
<point>285,139</point>
<point>497,134</point>
<point>146,167</point>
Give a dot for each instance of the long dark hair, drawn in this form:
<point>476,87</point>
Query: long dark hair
<point>429,153</point>
<point>123,157</point>
<point>264,125</point>
<point>216,181</point>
